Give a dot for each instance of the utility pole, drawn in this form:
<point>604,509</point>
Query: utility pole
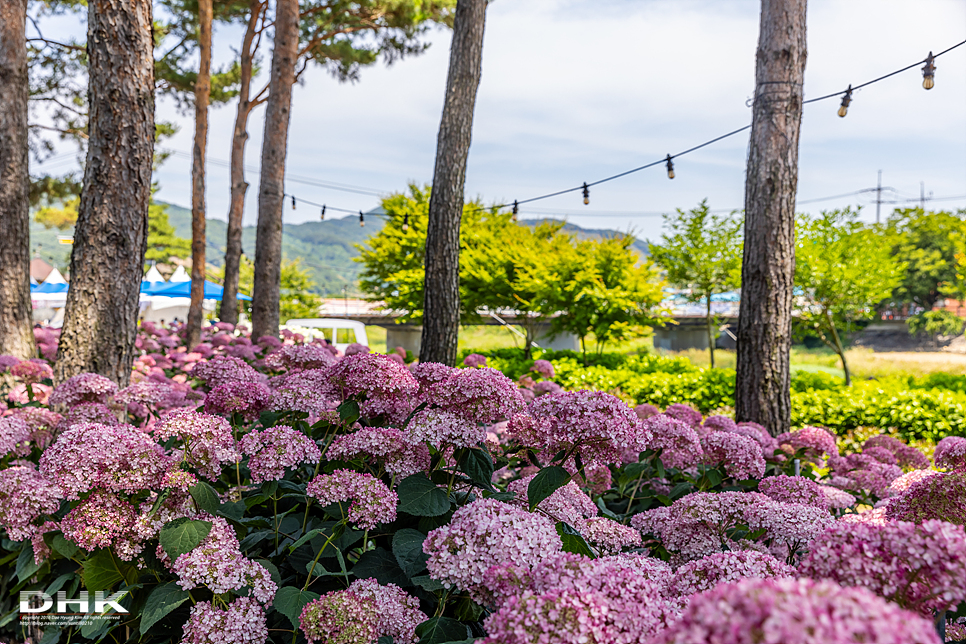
<point>878,197</point>
<point>922,196</point>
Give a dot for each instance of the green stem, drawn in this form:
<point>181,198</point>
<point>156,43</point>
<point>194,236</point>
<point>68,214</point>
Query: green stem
<point>316,560</point>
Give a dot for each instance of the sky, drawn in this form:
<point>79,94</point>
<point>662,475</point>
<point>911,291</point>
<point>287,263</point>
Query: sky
<point>578,90</point>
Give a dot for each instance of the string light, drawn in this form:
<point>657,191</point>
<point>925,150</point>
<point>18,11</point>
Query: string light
<point>293,202</point>
<point>516,210</point>
<point>670,167</point>
<point>846,101</point>
<point>322,217</point>
<point>405,225</point>
<point>362,220</point>
<point>929,73</point>
<point>586,194</point>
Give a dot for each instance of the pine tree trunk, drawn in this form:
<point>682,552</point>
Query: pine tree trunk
<point>16,334</point>
<point>111,234</point>
<point>239,187</point>
<point>202,94</point>
<point>768,266</point>
<point>441,299</point>
<point>271,190</point>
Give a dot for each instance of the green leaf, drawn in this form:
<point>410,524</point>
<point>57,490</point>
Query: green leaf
<point>428,583</point>
<point>62,546</point>
<point>161,601</point>
<point>183,535</point>
<point>290,601</point>
<point>348,411</point>
<point>58,584</point>
<point>438,630</point>
<point>104,569</point>
<point>305,537</point>
<point>206,497</point>
<point>478,465</point>
<point>380,564</point>
<point>420,497</point>
<point>546,482</point>
<point>234,511</point>
<point>468,610</point>
<point>26,567</point>
<point>573,541</point>
<point>407,546</point>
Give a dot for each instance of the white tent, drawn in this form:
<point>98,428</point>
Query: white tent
<point>55,278</point>
<point>180,275</point>
<point>153,275</point>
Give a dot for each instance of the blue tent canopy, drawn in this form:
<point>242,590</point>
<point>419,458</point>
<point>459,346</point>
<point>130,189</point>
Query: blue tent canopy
<point>49,288</point>
<point>183,289</point>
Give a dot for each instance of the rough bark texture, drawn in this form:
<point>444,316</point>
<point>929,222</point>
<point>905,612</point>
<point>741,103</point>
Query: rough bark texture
<point>202,94</point>
<point>441,299</point>
<point>239,187</point>
<point>110,237</point>
<point>271,189</point>
<point>16,334</point>
<point>768,266</point>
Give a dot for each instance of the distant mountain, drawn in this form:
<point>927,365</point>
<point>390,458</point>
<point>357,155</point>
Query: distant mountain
<point>326,248</point>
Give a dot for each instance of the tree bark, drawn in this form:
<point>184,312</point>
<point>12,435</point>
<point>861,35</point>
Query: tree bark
<point>239,187</point>
<point>768,266</point>
<point>710,333</point>
<point>271,190</point>
<point>202,95</point>
<point>16,333</point>
<point>110,237</point>
<point>441,294</point>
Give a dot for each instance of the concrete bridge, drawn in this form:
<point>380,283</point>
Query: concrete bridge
<point>687,332</point>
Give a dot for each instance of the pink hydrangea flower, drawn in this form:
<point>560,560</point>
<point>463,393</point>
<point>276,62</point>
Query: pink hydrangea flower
<point>218,564</point>
<point>794,489</point>
<point>355,349</point>
<point>904,482</point>
<point>149,393</point>
<point>568,503</point>
<point>723,567</point>
<point>720,424</point>
<point>483,534</point>
<point>597,425</point>
<point>273,450</point>
<point>906,455</point>
<point>398,612</point>
<point>484,395</point>
<point>85,387</point>
<point>680,445</point>
<point>608,536</point>
<point>919,567</point>
<point>941,497</point>
<point>308,391</point>
<point>372,502</point>
<point>760,434</point>
<point>84,413</point>
<point>14,436</point>
<point>440,428</point>
<point>399,456</point>
<point>789,527</point>
<point>42,423</point>
<point>646,411</point>
<point>221,370</point>
<point>103,520</point>
<point>340,617</point>
<point>816,441</point>
<point>245,398</point>
<point>474,360</point>
<point>7,361</point>
<point>794,611</point>
<point>430,374</point>
<point>31,371</point>
<point>838,499</point>
<point>300,356</point>
<point>554,617</point>
<point>684,413</point>
<point>373,375</point>
<point>243,622</point>
<point>740,455</point>
<point>208,441</point>
<point>25,496</point>
<point>117,458</point>
<point>544,368</point>
<point>951,453</point>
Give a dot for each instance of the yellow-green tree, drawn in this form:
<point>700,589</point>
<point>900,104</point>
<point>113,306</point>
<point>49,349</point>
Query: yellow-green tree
<point>297,299</point>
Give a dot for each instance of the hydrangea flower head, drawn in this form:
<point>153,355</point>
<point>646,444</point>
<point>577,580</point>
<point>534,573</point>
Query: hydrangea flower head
<point>117,458</point>
<point>400,457</point>
<point>398,611</point>
<point>484,395</point>
<point>221,370</point>
<point>41,422</point>
<point>274,449</point>
<point>608,536</point>
<point>906,456</point>
<point>340,617</point>
<point>568,503</point>
<point>684,413</point>
<point>794,489</point>
<point>440,427</point>
<point>951,453</point>
<point>720,424</point>
<point>300,356</point>
<point>722,567</point>
<point>794,611</point>
<point>243,622</point>
<point>85,387</point>
<point>309,391</point>
<point>554,617</point>
<point>483,534</point>
<point>103,520</point>
<point>14,436</point>
<point>646,410</point>
<point>245,398</point>
<point>371,374</point>
<point>208,441</point>
<point>941,497</point>
<point>371,502</point>
<point>740,455</point>
<point>816,441</point>
<point>544,368</point>
<point>25,495</point>
<point>680,445</point>
<point>474,360</point>
<point>32,372</point>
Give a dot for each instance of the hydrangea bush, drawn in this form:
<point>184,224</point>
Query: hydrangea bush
<point>278,491</point>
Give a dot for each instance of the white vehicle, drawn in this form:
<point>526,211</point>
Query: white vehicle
<point>339,332</point>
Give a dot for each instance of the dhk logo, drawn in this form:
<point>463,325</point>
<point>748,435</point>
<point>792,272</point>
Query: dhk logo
<point>82,603</point>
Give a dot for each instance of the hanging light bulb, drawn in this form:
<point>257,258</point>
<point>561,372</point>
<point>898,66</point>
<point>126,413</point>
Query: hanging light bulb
<point>846,100</point>
<point>516,210</point>
<point>322,217</point>
<point>929,73</point>
<point>362,220</point>
<point>586,194</point>
<point>670,167</point>
<point>293,202</point>
<point>405,225</point>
